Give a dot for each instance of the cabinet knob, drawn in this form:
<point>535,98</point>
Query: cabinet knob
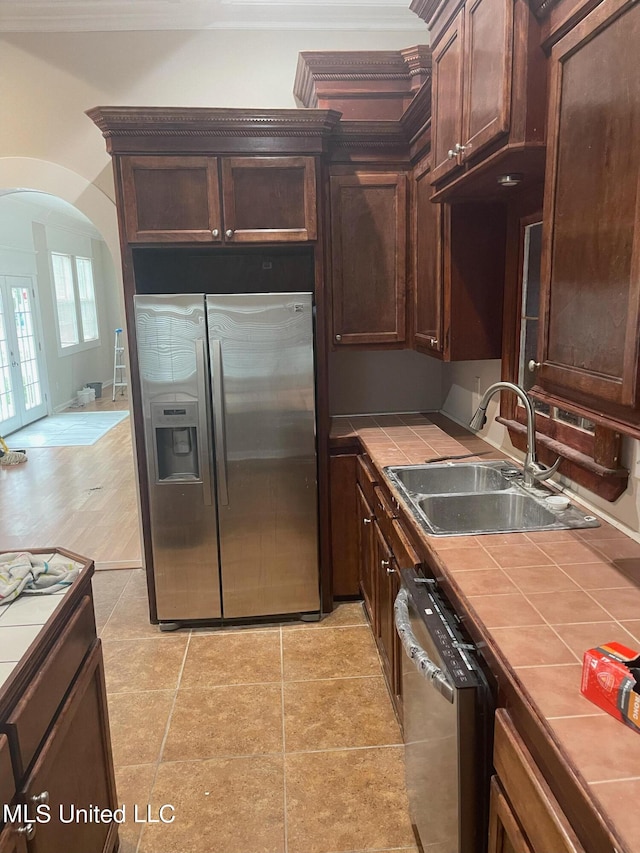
<point>28,830</point>
<point>434,342</point>
<point>460,148</point>
<point>451,154</point>
<point>338,337</point>
<point>228,234</point>
<point>386,564</point>
<point>533,365</point>
<point>215,233</point>
<point>40,799</point>
<point>366,521</point>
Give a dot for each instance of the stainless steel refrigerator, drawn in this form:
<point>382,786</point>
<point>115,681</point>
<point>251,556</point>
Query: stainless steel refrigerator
<point>228,396</point>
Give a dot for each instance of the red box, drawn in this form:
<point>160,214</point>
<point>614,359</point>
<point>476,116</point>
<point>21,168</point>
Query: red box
<point>611,680</point>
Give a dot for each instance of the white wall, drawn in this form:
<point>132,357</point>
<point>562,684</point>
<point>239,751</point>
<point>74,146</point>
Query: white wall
<point>29,234</point>
<point>463,384</point>
<point>51,79</point>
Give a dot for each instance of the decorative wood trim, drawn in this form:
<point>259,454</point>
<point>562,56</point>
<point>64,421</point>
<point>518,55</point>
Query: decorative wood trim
<point>131,129</point>
<point>318,73</point>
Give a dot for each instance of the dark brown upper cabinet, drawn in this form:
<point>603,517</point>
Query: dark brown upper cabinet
<point>489,90</point>
<point>177,199</point>
<point>458,274</point>
<point>590,324</point>
<point>369,257</point>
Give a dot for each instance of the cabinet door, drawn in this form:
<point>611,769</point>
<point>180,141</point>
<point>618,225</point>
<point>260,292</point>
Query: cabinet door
<point>11,841</point>
<point>344,525</point>
<point>505,835</point>
<point>369,257</point>
<point>427,269</point>
<point>488,37</point>
<point>75,768</point>
<point>366,555</point>
<point>386,588</point>
<point>591,238</point>
<point>269,199</point>
<point>171,199</point>
<point>446,114</point>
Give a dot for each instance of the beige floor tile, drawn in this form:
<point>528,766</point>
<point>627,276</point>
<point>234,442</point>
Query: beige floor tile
<point>347,800</point>
<point>137,585</point>
<point>108,586</point>
<point>221,806</point>
<point>346,614</point>
<point>333,653</point>
<point>241,657</point>
<point>343,712</point>
<point>133,785</point>
<point>135,665</point>
<point>130,620</point>
<point>138,722</point>
<point>225,721</point>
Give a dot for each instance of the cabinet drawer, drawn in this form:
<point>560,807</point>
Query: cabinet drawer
<point>7,786</point>
<point>366,479</point>
<point>537,810</point>
<point>32,716</point>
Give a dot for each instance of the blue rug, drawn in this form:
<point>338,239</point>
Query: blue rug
<point>66,430</point>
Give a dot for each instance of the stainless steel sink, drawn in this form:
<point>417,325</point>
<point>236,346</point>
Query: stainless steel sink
<point>451,479</point>
<point>471,498</point>
<point>497,512</point>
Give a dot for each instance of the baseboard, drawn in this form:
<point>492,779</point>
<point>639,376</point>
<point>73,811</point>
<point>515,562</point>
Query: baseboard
<point>108,565</point>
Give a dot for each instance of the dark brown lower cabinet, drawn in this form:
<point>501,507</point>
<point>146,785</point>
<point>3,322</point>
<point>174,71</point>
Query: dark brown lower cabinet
<point>344,525</point>
<point>505,835</point>
<point>74,768</point>
<point>387,587</point>
<point>365,555</point>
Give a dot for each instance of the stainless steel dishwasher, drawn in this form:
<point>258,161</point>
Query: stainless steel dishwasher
<point>447,718</point>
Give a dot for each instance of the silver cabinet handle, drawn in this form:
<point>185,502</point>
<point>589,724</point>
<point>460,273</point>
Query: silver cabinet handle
<point>215,233</point>
<point>433,341</point>
<point>366,521</point>
<point>215,348</point>
<point>533,365</point>
<point>451,154</point>
<point>39,799</point>
<point>460,148</point>
<point>28,830</point>
<point>423,663</point>
<point>390,570</point>
<point>203,423</point>
<point>385,564</point>
<point>228,233</point>
<point>338,337</point>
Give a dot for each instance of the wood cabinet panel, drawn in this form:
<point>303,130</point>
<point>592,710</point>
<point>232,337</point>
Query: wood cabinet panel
<point>344,525</point>
<point>7,783</point>
<point>269,198</point>
<point>446,112</point>
<point>384,567</point>
<point>505,834</point>
<point>174,199</point>
<point>591,254</point>
<point>365,555</point>
<point>538,812</point>
<point>427,258</point>
<point>31,717</point>
<point>488,56</point>
<point>369,257</point>
<point>75,767</point>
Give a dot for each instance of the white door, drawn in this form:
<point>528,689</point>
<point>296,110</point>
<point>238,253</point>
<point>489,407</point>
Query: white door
<point>22,397</point>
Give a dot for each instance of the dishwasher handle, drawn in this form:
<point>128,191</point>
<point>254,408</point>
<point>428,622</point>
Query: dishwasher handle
<point>421,660</point>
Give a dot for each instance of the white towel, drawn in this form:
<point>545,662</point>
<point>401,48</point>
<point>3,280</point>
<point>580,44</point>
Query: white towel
<point>30,574</point>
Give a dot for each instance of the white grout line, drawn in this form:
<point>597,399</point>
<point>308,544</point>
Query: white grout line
<point>613,781</point>
<point>576,716</point>
<point>166,731</point>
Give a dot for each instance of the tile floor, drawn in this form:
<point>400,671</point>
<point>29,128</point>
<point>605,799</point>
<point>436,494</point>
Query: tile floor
<point>271,740</point>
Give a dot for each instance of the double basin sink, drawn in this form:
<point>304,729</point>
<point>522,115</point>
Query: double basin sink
<point>466,499</point>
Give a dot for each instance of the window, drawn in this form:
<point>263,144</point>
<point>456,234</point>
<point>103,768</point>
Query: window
<point>75,301</point>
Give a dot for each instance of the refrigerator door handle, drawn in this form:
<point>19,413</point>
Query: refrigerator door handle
<point>219,419</point>
<point>203,425</point>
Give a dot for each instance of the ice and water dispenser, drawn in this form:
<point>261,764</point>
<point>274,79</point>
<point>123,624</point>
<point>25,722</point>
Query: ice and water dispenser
<point>175,432</point>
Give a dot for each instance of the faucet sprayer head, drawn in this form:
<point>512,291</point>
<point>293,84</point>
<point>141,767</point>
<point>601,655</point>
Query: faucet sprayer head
<point>479,419</point>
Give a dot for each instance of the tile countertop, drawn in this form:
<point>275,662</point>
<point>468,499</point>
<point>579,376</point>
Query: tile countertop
<point>22,620</point>
<point>540,599</point>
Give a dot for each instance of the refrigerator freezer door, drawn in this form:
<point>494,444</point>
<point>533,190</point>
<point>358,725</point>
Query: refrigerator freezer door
<point>174,379</point>
<point>262,367</point>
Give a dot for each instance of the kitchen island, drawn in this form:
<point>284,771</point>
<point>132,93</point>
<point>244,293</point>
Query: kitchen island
<point>533,603</point>
<point>55,749</point>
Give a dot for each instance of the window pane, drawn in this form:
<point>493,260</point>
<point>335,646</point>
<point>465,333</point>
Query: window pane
<point>86,292</point>
<point>7,403</point>
<point>65,299</point>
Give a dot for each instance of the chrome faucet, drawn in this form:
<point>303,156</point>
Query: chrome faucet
<point>533,470</point>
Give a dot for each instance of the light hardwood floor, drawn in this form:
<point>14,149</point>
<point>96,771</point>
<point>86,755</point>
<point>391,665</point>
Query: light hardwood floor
<point>80,498</point>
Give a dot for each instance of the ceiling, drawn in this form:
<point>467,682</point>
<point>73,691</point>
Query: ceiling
<point>104,15</point>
